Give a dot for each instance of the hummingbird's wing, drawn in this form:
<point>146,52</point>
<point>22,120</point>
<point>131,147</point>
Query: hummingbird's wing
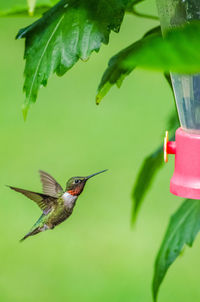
<point>43,201</point>
<point>50,185</point>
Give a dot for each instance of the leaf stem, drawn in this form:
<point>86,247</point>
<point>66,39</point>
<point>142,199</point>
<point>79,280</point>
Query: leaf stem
<point>141,15</point>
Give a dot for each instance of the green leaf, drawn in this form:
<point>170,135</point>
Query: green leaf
<point>21,7</point>
<point>182,229</point>
<point>152,163</point>
<point>178,52</point>
<point>69,31</point>
<point>116,71</point>
<point>150,167</point>
<point>148,171</point>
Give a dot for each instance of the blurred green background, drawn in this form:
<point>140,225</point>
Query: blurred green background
<point>95,255</point>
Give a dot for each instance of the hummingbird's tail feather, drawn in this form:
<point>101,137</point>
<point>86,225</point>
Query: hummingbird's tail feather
<point>31,233</point>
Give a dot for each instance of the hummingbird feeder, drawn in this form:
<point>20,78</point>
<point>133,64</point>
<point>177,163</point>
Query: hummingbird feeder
<point>185,181</point>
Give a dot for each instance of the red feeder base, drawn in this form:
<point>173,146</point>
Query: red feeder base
<point>185,181</point>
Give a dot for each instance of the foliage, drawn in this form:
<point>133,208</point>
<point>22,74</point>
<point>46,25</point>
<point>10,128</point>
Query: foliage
<point>22,7</point>
<point>152,163</point>
<point>71,30</point>
<point>116,70</point>
<point>182,229</point>
<point>154,52</point>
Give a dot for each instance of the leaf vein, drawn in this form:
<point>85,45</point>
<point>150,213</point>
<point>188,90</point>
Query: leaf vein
<point>43,53</point>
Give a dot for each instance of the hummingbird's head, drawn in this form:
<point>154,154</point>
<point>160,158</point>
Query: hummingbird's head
<point>75,185</point>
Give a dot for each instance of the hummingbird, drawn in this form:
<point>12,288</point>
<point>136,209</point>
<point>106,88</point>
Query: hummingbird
<point>56,204</point>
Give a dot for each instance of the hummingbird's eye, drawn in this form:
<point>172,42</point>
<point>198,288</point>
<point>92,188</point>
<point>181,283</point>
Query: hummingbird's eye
<point>77,181</point>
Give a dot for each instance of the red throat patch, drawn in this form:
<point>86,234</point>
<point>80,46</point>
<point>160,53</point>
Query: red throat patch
<point>74,192</point>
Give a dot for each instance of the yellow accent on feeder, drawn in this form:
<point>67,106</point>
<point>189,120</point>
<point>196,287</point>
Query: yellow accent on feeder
<point>166,139</point>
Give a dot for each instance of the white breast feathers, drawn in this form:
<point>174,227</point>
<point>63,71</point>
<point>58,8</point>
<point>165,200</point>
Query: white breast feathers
<point>69,200</point>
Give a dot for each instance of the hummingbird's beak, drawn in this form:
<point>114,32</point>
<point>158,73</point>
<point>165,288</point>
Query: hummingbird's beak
<point>95,174</point>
